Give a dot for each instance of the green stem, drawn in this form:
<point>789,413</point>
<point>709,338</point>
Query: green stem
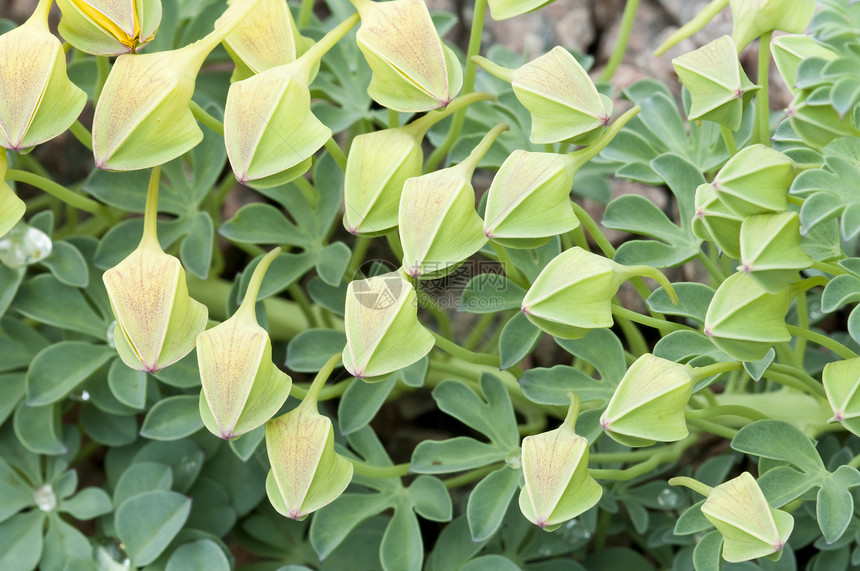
<point>831,269</point>
<point>61,192</point>
<point>320,379</point>
<point>468,86</point>
<point>712,269</point>
<point>511,271</point>
<point>729,140</point>
<point>419,127</point>
<point>453,349</point>
<point>594,230</point>
<point>359,251</point>
<point>693,26</point>
<point>336,153</point>
<point>621,43</point>
<point>635,339</point>
<point>653,322</point>
<point>305,11</point>
<point>393,119</point>
<point>582,156</point>
<point>669,454</point>
<point>726,410</point>
<point>796,200</point>
<point>393,239</point>
<point>694,485</point>
<point>713,427</point>
<point>470,163</point>
<point>250,300</point>
<point>201,115</point>
<point>102,72</point>
<point>478,330</point>
<point>82,134</point>
<point>379,472</point>
<point>803,323</point>
<point>300,390</point>
<point>470,476</point>
<point>762,103</point>
<point>855,462</point>
<point>700,373</point>
<point>823,340</point>
<point>150,210</point>
<point>298,295</point>
<point>807,382</point>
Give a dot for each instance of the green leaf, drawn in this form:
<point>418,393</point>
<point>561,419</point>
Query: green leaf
<point>21,541</point>
<point>142,477</point>
<point>681,346</point>
<point>779,440</point>
<point>361,401</point>
<point>453,455</point>
<point>12,387</point>
<point>46,300</point>
<point>196,250</point>
<point>490,563</point>
<point>148,522</point>
<point>64,545</point>
<point>10,281</point>
<point>183,456</point>
<point>332,298</point>
<point>245,446</point>
<point>107,428</point>
<point>19,343</point>
<point>518,339</point>
<point>127,385</point>
<point>756,369</point>
<point>706,555</point>
<point>602,349</point>
<point>334,522</point>
<point>87,504</point>
<point>15,493</point>
<point>68,265</point>
<point>309,350</point>
<point>430,498</point>
<point>402,548</point>
<point>38,428</point>
<point>183,374</point>
<point>260,223</point>
<point>173,418</point>
<point>550,386</point>
<point>59,368</point>
<point>489,501</point>
<point>211,511</point>
<point>834,509</point>
<point>332,261</point>
<point>200,554</point>
<point>839,291</point>
<point>495,417</point>
<point>693,300</point>
<point>489,293</point>
<point>692,521</point>
<point>453,547</point>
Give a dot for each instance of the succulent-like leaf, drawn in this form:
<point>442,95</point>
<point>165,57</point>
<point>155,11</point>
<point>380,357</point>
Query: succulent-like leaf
<point>383,333</point>
<point>744,320</point>
<point>816,122</point>
<point>718,86</point>
<point>648,405</point>
<point>789,50</point>
<point>109,27</point>
<point>38,100</point>
<point>752,18</point>
<point>755,181</point>
<point>770,249</point>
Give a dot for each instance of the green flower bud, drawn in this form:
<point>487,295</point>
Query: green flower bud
<point>378,165</point>
<point>744,320</point>
<point>648,405</point>
<point>573,294</point>
<point>306,472</point>
<point>269,129</point>
<point>156,320</point>
<point>505,9</point>
<point>12,208</point>
<point>38,102</point>
<point>770,249</point>
<point>109,27</point>
<point>816,121</point>
<point>718,86</point>
<point>740,512</point>
<point>241,387</point>
<point>412,69</point>
<point>716,223</point>
<point>563,102</point>
<point>383,333</point>
<point>555,468</point>
<point>841,380</point>
<point>439,227</point>
<point>143,118</point>
<point>752,18</point>
<point>529,199</point>
<point>755,181</point>
<point>789,50</point>
<point>267,38</point>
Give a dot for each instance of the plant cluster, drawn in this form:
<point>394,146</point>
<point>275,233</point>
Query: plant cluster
<point>144,356</point>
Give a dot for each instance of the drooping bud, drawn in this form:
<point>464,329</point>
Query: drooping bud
<point>413,70</point>
<point>740,512</point>
<point>716,223</point>
<point>383,333</point>
<point>752,18</point>
<point>12,208</point>
<point>306,471</point>
<point>559,95</point>
<point>529,199</point>
<point>241,387</point>
<point>841,380</point>
<point>378,165</point>
<point>555,468</point>
<point>269,129</point>
<point>267,38</point>
<point>573,294</point>
<point>789,50</point>
<point>156,320</point>
<point>815,120</point>
<point>771,251</point>
<point>109,27</point>
<point>439,227</point>
<point>755,181</point>
<point>744,320</point>
<point>38,100</point>
<point>505,9</point>
<point>648,405</point>
<point>718,86</point>
<point>143,118</point>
